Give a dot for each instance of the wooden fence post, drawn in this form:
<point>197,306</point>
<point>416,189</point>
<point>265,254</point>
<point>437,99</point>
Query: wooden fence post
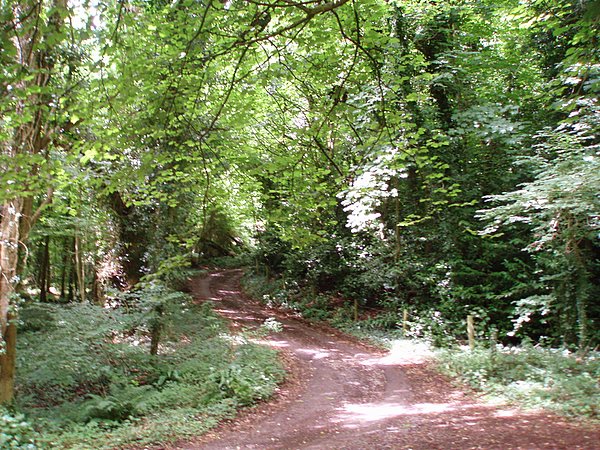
<point>404,322</point>
<point>471,331</point>
<point>493,339</point>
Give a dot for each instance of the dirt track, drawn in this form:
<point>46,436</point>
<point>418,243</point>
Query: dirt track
<point>344,395</point>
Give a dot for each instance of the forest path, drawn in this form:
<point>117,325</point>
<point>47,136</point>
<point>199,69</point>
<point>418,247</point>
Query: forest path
<point>345,395</point>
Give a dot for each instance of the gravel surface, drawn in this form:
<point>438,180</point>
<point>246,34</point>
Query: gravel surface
<point>342,394</point>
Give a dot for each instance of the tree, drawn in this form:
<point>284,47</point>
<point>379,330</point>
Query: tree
<point>364,134</point>
<point>164,118</point>
<point>32,123</point>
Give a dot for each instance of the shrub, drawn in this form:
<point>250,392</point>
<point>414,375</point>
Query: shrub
<point>122,403</point>
<point>36,317</point>
<point>69,360</point>
<point>248,379</point>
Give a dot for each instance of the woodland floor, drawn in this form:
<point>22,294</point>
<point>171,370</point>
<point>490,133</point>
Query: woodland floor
<point>342,394</point>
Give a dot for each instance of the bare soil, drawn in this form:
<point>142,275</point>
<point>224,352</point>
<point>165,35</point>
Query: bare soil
<point>342,394</point>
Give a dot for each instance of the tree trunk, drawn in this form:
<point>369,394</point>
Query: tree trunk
<point>71,293</point>
<point>48,272</point>
<point>79,268</point>
<point>9,260</point>
<point>64,268</point>
<point>44,270</point>
<point>397,230</point>
<point>156,329</point>
<point>33,64</point>
<point>98,286</point>
<point>8,362</point>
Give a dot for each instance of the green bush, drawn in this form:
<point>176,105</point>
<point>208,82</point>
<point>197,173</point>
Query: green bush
<point>36,317</point>
<point>434,326</point>
<point>174,395</point>
<point>69,360</point>
<point>253,376</point>
<point>122,403</point>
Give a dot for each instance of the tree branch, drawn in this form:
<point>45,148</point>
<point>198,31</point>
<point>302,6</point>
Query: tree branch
<point>36,215</point>
<point>323,150</point>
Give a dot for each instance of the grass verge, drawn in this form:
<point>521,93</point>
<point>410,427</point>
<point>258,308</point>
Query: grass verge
<point>531,377</point>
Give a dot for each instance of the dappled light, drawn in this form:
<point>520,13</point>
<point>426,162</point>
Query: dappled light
<point>314,353</point>
<point>223,292</point>
<point>506,413</point>
<point>272,343</point>
<point>404,352</point>
<point>218,214</point>
<point>353,415</point>
<point>233,315</point>
<point>359,398</point>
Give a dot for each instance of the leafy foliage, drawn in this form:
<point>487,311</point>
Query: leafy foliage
<point>16,432</point>
<point>104,387</point>
<point>529,376</point>
<point>355,149</point>
<point>562,207</point>
<point>467,123</point>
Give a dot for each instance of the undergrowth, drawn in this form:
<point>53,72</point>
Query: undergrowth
<point>530,376</point>
<point>279,293</point>
<point>86,379</point>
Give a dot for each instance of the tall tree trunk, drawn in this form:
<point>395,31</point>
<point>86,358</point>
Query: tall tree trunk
<point>65,267</point>
<point>8,359</point>
<point>98,286</point>
<point>9,259</point>
<point>71,290</point>
<point>48,271</point>
<point>156,329</point>
<point>79,267</point>
<point>44,270</point>
<point>35,24</point>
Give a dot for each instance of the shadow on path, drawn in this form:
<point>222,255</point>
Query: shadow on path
<point>353,397</point>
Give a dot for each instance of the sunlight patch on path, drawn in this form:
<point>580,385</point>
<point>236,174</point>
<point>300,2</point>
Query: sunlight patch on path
<point>272,343</point>
<point>356,415</point>
<point>315,353</point>
<point>225,292</point>
<point>403,352</point>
